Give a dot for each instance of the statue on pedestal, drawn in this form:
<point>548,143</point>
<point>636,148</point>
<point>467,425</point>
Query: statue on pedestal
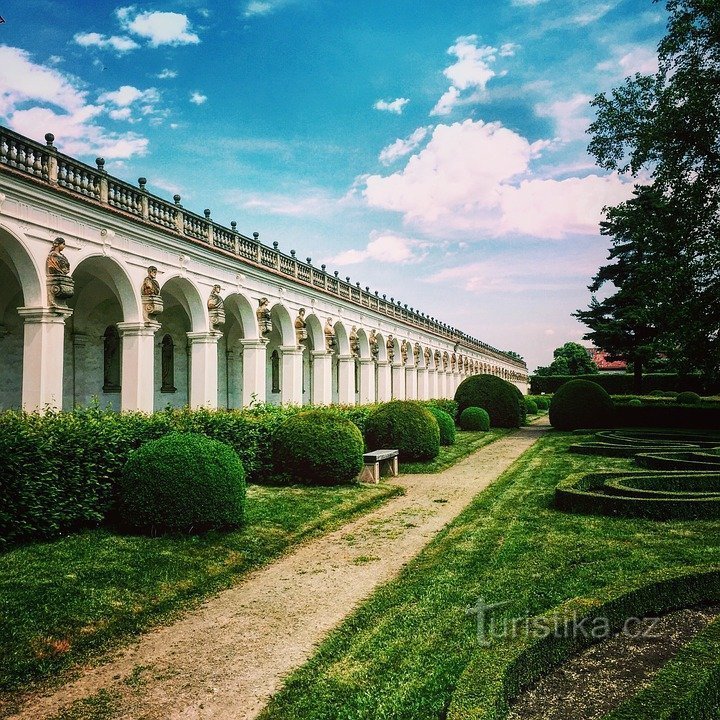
<point>150,291</point>
<point>404,351</point>
<point>216,307</point>
<point>329,335</point>
<point>60,285</point>
<point>427,353</point>
<point>390,347</point>
<point>354,342</point>
<point>416,353</point>
<point>300,326</point>
<point>374,345</point>
<point>263,316</point>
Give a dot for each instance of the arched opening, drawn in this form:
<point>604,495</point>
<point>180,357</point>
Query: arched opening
<point>312,371</point>
<point>281,340</point>
<point>111,360</point>
<point>239,325</point>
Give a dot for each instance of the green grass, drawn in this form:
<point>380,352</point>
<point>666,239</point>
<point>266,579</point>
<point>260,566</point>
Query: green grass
<point>401,654</point>
<point>466,443</point>
<point>64,601</point>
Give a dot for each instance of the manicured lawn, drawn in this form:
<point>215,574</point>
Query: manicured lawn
<point>400,655</point>
<point>62,601</point>
<point>466,443</point>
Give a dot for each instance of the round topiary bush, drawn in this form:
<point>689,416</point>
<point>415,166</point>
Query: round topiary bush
<point>531,406</point>
<point>446,425</point>
<point>406,426</point>
<point>542,403</point>
<point>688,398</point>
<point>502,400</point>
<point>319,447</point>
<point>474,418</point>
<point>182,482</point>
<point>580,404</point>
<point>635,402</point>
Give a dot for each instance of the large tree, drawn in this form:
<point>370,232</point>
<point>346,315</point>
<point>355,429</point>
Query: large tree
<point>666,128</point>
<point>570,359</point>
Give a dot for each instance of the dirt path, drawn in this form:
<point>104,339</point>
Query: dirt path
<point>226,658</point>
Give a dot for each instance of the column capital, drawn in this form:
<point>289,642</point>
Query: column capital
<point>319,354</point>
<point>366,361</point>
<point>44,315</point>
<point>253,342</point>
<point>383,363</point>
<point>138,329</point>
<point>200,338</point>
<point>291,350</point>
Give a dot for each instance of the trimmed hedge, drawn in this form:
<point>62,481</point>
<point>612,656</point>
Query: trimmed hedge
<point>496,675</point>
<point>679,460</point>
<point>620,383</point>
<point>688,398</point>
<point>319,447</point>
<point>589,494</point>
<point>474,418</point>
<point>182,482</point>
<point>501,399</point>
<point>542,402</point>
<point>580,404</point>
<point>531,406</point>
<point>446,425</point>
<point>404,425</point>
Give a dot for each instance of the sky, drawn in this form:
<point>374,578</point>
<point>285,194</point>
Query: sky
<point>433,151</point>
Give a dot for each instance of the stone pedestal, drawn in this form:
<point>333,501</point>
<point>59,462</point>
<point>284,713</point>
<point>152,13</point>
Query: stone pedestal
<point>411,392</point>
<point>432,384</point>
<point>422,384</point>
<point>383,381</point>
<point>346,380</point>
<point>138,365</point>
<point>398,382</point>
<point>254,382</point>
<point>203,369</point>
<point>321,378</point>
<point>367,381</point>
<point>291,375</point>
<point>43,353</point>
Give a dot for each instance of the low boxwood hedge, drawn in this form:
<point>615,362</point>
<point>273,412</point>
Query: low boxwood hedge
<point>474,418</point>
<point>497,674</point>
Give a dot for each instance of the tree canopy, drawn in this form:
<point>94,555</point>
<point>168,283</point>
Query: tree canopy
<point>664,129</point>
<point>570,359</point>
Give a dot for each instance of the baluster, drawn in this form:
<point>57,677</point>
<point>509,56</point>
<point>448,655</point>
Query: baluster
<point>13,154</point>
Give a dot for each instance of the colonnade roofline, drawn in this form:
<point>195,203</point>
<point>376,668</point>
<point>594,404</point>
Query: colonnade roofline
<point>45,165</point>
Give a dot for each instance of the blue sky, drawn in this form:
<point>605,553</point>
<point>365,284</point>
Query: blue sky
<point>435,151</point>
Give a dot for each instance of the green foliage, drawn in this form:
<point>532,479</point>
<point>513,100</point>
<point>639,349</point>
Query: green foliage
<point>474,418</point>
<point>570,359</point>
<point>688,398</point>
<point>531,406</point>
<point>502,400</point>
<point>319,447</point>
<point>446,425</point>
<point>635,402</point>
<point>622,383</point>
<point>580,404</point>
<point>406,426</point>
<point>449,406</point>
<point>182,482</point>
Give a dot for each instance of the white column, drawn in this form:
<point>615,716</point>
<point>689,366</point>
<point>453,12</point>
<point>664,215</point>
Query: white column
<point>138,365</point>
<point>321,378</point>
<point>383,381</point>
<point>254,381</point>
<point>441,377</point>
<point>367,381</point>
<point>456,381</point>
<point>203,369</point>
<point>432,383</point>
<point>43,354</point>
<point>422,384</point>
<point>398,382</point>
<point>411,390</point>
<point>346,384</point>
<point>291,375</point>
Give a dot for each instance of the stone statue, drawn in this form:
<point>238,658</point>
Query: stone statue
<point>428,355</point>
<point>329,335</point>
<point>57,263</point>
<point>263,316</point>
<point>445,360</point>
<point>300,326</point>
<point>453,360</point>
<point>390,347</point>
<point>60,285</point>
<point>216,307</point>
<point>374,345</point>
<point>354,342</point>
<point>437,358</point>
<point>404,351</point>
<point>215,302</point>
<point>150,285</point>
<point>416,353</point>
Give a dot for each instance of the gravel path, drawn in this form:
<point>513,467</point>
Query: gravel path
<point>227,657</point>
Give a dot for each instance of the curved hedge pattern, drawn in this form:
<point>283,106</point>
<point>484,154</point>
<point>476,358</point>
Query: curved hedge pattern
<point>496,675</point>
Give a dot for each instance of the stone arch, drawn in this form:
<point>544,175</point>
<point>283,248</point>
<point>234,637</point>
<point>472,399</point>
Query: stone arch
<point>281,339</point>
<point>240,324</point>
<point>315,342</point>
<point>20,285</point>
<point>187,294</point>
<point>343,382</point>
<point>104,296</point>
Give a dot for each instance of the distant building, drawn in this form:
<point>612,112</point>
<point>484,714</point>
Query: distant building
<point>600,358</point>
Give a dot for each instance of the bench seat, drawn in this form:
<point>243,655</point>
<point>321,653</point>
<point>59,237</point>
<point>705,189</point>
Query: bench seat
<point>379,463</point>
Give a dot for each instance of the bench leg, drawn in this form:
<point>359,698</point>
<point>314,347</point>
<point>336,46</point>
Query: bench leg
<point>370,473</point>
<point>390,467</point>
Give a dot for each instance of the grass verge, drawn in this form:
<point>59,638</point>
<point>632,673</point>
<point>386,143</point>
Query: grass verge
<point>466,443</point>
<point>64,601</point>
<point>401,654</point>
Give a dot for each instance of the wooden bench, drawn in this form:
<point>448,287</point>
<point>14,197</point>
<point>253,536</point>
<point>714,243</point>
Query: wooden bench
<point>379,463</point>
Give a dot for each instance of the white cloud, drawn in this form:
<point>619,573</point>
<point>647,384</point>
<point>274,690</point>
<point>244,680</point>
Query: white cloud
<point>313,203</point>
<point>160,28</point>
<point>384,247</point>
<point>258,8</point>
<point>572,117</point>
<point>520,3</point>
<point>395,106</point>
<point>630,60</point>
<point>469,75</point>
<point>126,95</point>
<point>166,74</point>
<point>591,13</point>
<point>475,177</point>
<point>114,42</point>
<point>60,105</point>
<point>403,146</point>
<point>198,98</point>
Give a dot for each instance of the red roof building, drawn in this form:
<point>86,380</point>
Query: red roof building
<point>600,358</point>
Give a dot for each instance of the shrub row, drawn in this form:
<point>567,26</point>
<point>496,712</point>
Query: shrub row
<point>621,383</point>
<point>588,494</point>
<point>502,400</point>
<point>687,687</point>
